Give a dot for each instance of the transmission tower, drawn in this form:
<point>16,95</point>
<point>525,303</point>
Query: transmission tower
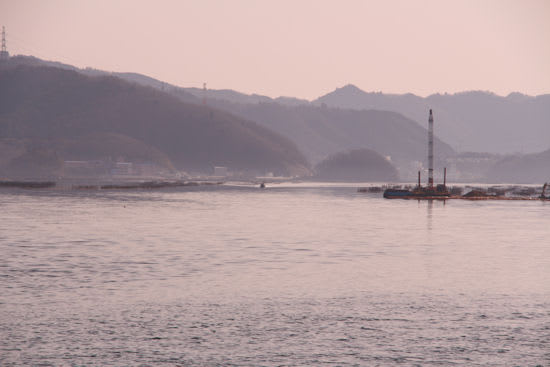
<point>4,54</point>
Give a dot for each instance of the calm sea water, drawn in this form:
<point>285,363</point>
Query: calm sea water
<point>293,275</point>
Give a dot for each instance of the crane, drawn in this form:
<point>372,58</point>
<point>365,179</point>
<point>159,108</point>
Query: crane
<point>542,196</point>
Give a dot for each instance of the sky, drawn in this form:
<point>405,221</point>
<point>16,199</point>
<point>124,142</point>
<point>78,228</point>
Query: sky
<point>298,48</point>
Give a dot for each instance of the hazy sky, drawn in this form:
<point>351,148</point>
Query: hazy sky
<point>297,48</point>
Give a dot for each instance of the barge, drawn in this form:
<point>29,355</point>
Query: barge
<point>440,192</point>
<point>430,191</point>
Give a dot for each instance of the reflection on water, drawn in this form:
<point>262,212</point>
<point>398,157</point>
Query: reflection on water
<point>429,206</point>
<point>289,275</point>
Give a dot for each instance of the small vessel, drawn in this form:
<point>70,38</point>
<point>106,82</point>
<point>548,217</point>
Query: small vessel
<point>438,192</point>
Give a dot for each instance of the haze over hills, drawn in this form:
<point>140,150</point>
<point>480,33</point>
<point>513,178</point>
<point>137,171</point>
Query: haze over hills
<point>319,130</point>
<point>50,109</point>
<point>482,122</point>
<point>468,121</point>
<point>528,168</point>
<point>358,165</point>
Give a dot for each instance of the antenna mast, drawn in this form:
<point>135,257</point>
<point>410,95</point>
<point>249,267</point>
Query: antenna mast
<point>431,150</point>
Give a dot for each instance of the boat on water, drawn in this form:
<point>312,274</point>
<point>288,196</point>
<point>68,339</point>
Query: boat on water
<point>439,192</point>
<point>397,194</point>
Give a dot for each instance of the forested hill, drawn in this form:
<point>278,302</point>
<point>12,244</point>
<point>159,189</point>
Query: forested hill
<point>323,131</point>
<point>59,108</point>
<point>359,165</point>
<point>469,121</point>
<point>527,168</point>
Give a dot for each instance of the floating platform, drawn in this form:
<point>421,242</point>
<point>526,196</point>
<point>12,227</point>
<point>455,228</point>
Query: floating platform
<point>438,192</point>
<point>149,185</point>
<point>28,184</point>
<point>473,198</point>
<point>441,193</point>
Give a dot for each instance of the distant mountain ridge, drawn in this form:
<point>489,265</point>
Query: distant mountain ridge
<point>323,131</point>
<point>58,108</point>
<point>469,121</point>
<point>349,118</point>
<point>317,131</point>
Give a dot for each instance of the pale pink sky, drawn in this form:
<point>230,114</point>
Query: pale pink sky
<point>301,48</point>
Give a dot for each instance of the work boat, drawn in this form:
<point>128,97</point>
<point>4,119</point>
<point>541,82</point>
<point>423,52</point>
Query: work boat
<point>438,192</point>
<point>430,191</point>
